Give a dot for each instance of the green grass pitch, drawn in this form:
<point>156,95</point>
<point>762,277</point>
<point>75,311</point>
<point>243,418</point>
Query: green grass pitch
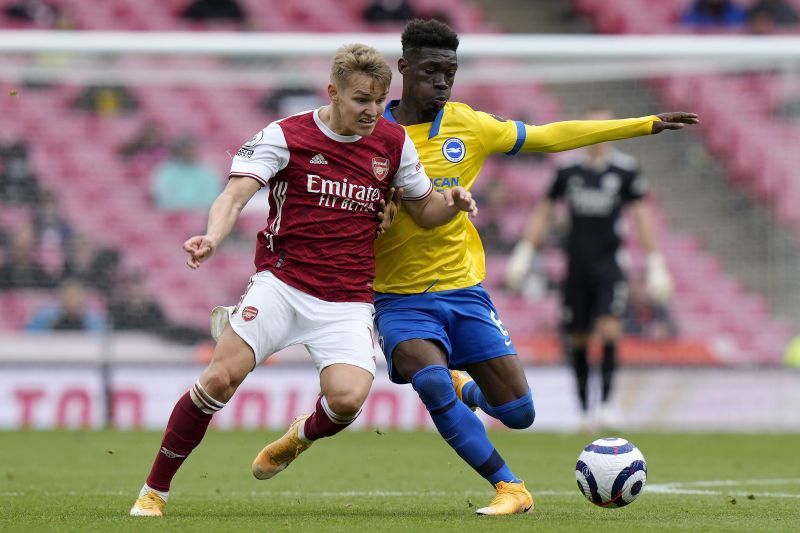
<point>392,481</point>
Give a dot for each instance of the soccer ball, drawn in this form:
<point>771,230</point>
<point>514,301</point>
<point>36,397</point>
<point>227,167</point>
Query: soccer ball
<point>611,472</point>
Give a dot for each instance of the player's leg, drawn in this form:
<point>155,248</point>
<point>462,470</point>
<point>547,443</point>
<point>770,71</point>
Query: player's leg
<point>577,344</point>
<point>482,346</point>
<point>577,321</point>
<point>344,388</point>
<point>339,338</point>
<point>416,348</point>
<point>500,389</point>
<point>233,359</point>
<point>611,306</point>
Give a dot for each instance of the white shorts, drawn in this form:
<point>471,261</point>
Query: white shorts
<point>273,315</point>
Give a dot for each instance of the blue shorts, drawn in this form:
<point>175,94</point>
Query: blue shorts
<point>463,321</point>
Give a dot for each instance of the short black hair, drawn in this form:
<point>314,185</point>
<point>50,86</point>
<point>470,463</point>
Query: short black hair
<point>430,33</point>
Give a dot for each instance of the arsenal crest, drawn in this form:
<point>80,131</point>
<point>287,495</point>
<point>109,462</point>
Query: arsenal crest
<point>380,167</point>
<point>249,313</point>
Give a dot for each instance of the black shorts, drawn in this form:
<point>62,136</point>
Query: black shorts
<point>589,295</point>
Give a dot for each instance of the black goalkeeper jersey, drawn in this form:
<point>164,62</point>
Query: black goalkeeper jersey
<point>595,196</point>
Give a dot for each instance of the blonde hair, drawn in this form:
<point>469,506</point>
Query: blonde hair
<point>354,58</point>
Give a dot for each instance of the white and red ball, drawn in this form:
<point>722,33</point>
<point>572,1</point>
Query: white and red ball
<point>611,472</point>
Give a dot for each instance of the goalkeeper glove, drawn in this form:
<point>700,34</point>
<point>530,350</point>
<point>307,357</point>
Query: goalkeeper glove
<point>658,281</point>
<point>519,264</point>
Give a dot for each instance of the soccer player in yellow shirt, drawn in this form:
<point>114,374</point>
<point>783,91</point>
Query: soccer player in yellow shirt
<point>432,313</point>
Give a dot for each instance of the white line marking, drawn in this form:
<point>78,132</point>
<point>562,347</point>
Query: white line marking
<point>672,488</point>
<point>735,482</point>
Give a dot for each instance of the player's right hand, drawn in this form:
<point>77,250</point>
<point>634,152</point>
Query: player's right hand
<point>519,264</point>
<point>461,198</point>
<point>199,248</point>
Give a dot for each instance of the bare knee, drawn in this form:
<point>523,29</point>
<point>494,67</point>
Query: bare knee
<point>609,329</point>
<point>411,356</point>
<point>346,403</point>
<point>219,383</point>
<point>233,359</point>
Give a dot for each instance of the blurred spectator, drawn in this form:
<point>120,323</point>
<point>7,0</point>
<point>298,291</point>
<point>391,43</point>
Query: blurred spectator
<point>183,182</point>
<point>18,183</point>
<point>214,10</point>
<point>781,11</point>
<point>38,13</point>
<point>380,11</point>
<point>133,308</point>
<point>714,13</point>
<point>22,268</point>
<point>290,100</point>
<point>51,228</point>
<point>106,100</point>
<point>760,23</point>
<point>646,318</point>
<point>72,312</point>
<point>494,202</point>
<point>148,144</point>
<point>96,268</point>
<point>765,14</point>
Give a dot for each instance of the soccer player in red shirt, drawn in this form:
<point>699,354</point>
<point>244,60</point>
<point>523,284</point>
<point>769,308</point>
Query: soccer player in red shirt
<point>329,171</point>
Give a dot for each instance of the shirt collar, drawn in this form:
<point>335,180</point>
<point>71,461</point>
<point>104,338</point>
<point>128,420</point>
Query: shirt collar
<point>435,125</point>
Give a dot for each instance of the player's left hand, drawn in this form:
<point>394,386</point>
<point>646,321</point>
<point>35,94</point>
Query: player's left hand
<point>658,281</point>
<point>674,121</point>
<point>387,211</point>
<point>461,198</point>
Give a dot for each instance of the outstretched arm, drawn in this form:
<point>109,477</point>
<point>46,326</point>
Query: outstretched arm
<point>438,208</point>
<point>567,135</point>
<point>221,219</point>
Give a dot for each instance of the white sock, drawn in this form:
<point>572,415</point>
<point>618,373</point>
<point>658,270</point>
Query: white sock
<point>301,434</point>
<point>146,488</point>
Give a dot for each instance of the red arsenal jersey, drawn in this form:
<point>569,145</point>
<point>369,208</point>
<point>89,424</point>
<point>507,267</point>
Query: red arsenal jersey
<point>323,199</point>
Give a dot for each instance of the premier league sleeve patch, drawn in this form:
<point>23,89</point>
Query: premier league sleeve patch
<point>454,149</point>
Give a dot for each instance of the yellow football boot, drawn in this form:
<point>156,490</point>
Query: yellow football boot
<point>276,456</point>
<point>459,380</point>
<point>511,498</point>
<point>148,504</point>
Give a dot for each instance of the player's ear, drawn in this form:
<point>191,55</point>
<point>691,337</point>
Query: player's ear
<point>402,65</point>
<point>333,93</point>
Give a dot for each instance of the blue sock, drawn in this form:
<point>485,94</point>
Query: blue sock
<point>516,414</point>
<point>459,426</point>
<point>473,397</point>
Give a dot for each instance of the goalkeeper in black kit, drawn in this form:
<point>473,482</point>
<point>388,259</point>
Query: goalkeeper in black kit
<point>595,186</point>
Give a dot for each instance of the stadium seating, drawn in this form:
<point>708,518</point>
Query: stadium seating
<point>78,159</point>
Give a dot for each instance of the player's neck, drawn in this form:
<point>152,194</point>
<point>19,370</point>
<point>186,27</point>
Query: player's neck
<point>408,114</point>
<point>333,121</point>
<point>598,158</point>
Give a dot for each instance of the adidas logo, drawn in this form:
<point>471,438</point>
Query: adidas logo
<point>318,159</point>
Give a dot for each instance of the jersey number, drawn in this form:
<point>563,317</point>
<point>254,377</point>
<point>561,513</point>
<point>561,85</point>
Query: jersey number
<point>499,324</point>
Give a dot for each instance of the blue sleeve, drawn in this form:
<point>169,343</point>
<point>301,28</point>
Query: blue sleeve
<point>42,320</point>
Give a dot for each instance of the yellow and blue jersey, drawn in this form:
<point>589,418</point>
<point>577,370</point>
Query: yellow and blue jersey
<point>453,148</point>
